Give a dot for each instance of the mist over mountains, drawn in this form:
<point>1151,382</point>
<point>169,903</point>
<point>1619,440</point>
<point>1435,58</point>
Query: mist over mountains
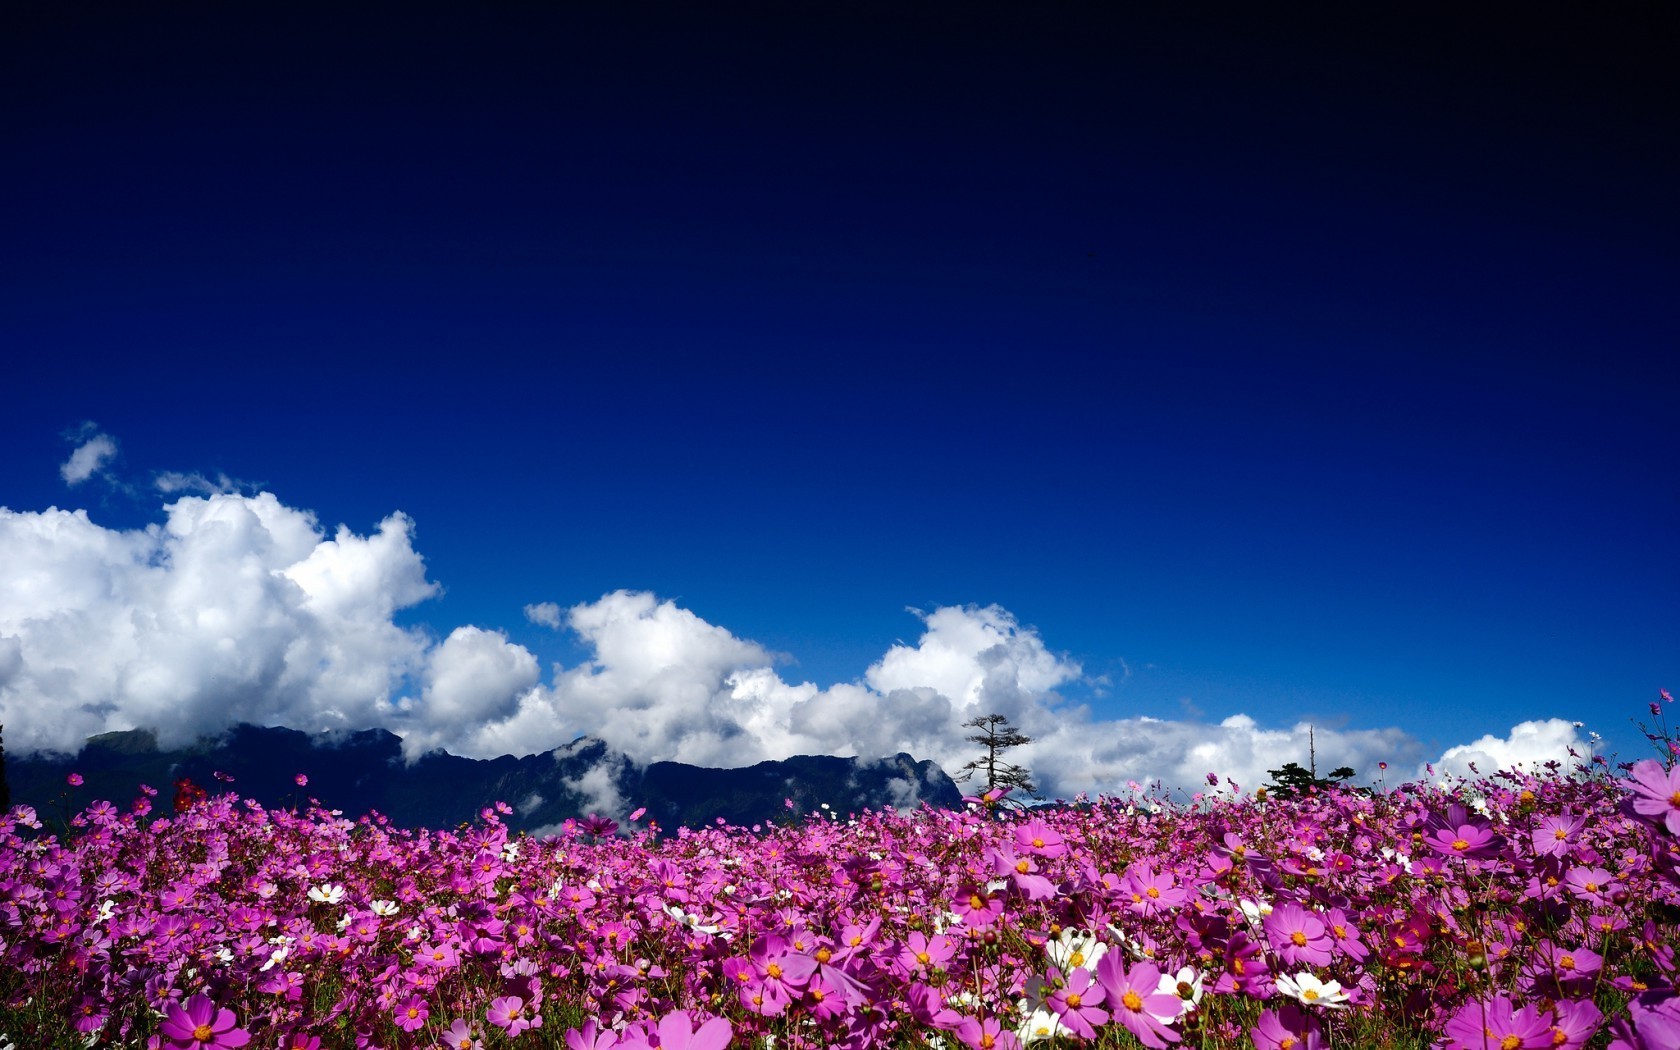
<point>366,771</point>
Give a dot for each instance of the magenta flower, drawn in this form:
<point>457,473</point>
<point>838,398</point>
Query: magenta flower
<point>1038,837</point>
<point>301,780</point>
<point>1574,1022</point>
<point>677,1032</point>
<point>986,1034</point>
<point>1593,885</point>
<point>199,1023</point>
<point>1076,1002</point>
<point>1137,1000</point>
<point>74,780</point>
<point>1463,840</point>
<point>1556,834</point>
<point>411,1013</point>
<point>1287,1028</point>
<point>303,1041</point>
<point>1151,892</point>
<point>1654,794</point>
<point>1299,936</point>
<point>590,1037</point>
<point>1497,1025</point>
<point>510,1014</point>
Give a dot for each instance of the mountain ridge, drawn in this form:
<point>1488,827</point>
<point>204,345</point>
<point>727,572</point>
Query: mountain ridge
<point>364,770</point>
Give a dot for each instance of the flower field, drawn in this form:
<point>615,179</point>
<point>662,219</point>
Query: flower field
<point>1516,911</point>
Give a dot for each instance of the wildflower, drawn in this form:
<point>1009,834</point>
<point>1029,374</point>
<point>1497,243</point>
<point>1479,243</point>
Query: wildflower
<point>1556,833</point>
<point>1307,988</point>
<point>199,1023</point>
<point>1299,936</point>
<point>1593,885</point>
<point>985,1034</point>
<point>74,780</point>
<point>1138,1004</point>
<point>460,1036</point>
<point>677,1032</point>
<point>384,907</point>
<point>510,1014</point>
<point>301,780</point>
<point>1185,986</point>
<point>412,1013</point>
<point>1075,949</point>
<point>1038,837</point>
<point>303,1041</point>
<point>1497,1024</point>
<point>1654,794</point>
<point>1287,1028</point>
<point>1075,1002</point>
<point>327,893</point>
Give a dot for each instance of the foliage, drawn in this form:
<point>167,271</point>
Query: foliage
<point>1294,779</point>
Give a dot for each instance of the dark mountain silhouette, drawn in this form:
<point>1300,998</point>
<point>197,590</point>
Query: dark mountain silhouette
<point>365,771</point>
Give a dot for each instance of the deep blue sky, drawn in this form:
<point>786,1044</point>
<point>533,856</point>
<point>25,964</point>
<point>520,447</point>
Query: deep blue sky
<point>1303,364</point>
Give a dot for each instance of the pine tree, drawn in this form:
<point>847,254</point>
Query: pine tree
<point>996,735</point>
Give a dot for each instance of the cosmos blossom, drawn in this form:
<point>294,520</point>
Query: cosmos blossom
<point>199,1024</point>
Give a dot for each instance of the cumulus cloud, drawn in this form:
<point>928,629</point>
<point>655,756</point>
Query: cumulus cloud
<point>238,608</point>
<point>544,614</point>
<point>90,457</point>
<point>1529,746</point>
<point>233,609</point>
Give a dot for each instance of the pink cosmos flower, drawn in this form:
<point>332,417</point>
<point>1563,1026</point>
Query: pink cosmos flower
<point>1654,794</point>
<point>1593,885</point>
<point>1287,1028</point>
<point>1151,892</point>
<point>200,1025</point>
<point>1497,1025</point>
<point>305,1041</point>
<point>590,1037</point>
<point>1038,837</point>
<point>1574,1021</point>
<point>677,1032</point>
<point>74,780</point>
<point>1076,1000</point>
<point>1137,1001</point>
<point>1463,840</point>
<point>302,781</point>
<point>1299,936</point>
<point>1556,834</point>
<point>986,1034</point>
<point>411,1013</point>
<point>510,1014</point>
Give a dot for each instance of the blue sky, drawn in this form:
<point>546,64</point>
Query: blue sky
<point>1288,366</point>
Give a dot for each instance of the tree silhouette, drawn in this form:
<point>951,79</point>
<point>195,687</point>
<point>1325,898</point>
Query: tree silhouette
<point>996,735</point>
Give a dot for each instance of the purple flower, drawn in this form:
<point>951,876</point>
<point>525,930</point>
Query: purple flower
<point>1299,936</point>
<point>1075,1002</point>
<point>74,780</point>
<point>510,1014</point>
<point>199,1023</point>
<point>1654,794</point>
<point>1137,1001</point>
<point>411,1014</point>
<point>1287,1028</point>
<point>677,1032</point>
<point>1497,1025</point>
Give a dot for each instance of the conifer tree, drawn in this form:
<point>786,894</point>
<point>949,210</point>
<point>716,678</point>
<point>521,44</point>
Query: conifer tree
<point>996,735</point>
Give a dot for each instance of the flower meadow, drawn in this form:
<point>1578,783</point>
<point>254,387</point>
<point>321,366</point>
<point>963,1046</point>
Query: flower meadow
<point>1519,910</point>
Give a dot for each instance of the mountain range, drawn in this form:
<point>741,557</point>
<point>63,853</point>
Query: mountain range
<point>364,771</point>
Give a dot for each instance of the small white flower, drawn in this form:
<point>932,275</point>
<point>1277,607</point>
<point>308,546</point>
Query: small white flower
<point>225,955</point>
<point>344,922</point>
<point>1254,911</point>
<point>106,910</point>
<point>383,907</point>
<point>327,893</point>
<point>1185,986</point>
<point>1075,949</point>
<point>1312,991</point>
<point>510,852</point>
<point>277,956</point>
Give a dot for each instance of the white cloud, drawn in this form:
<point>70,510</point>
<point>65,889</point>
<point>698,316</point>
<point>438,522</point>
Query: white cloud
<point>240,608</point>
<point>234,609</point>
<point>1529,746</point>
<point>90,456</point>
<point>544,614</point>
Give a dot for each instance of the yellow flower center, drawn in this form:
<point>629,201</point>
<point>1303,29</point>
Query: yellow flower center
<point>773,970</point>
<point>1299,939</point>
<point>1310,995</point>
<point>1460,844</point>
<point>1132,1000</point>
<point>1074,1000</point>
<point>1510,1042</point>
<point>823,955</point>
<point>1560,834</point>
<point>974,901</point>
<point>923,958</point>
<point>203,1033</point>
<point>1288,1042</point>
<point>1077,958</point>
<point>413,1012</point>
<point>1567,962</point>
<point>1152,893</point>
<point>1592,887</point>
<point>1038,843</point>
<point>1022,866</point>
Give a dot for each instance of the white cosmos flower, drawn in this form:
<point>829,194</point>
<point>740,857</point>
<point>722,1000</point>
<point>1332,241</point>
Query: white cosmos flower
<point>327,893</point>
<point>1312,991</point>
<point>386,908</point>
<point>1075,948</point>
<point>275,957</point>
<point>1185,986</point>
<point>1038,1023</point>
<point>1254,911</point>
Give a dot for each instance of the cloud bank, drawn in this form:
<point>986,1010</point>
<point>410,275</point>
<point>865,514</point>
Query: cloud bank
<point>238,608</point>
